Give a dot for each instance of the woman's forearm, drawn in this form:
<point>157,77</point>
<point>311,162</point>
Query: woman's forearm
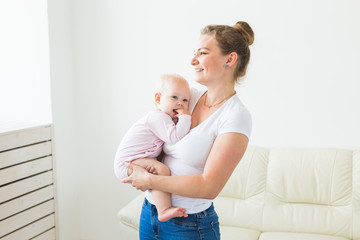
<point>225,154</point>
<point>194,186</point>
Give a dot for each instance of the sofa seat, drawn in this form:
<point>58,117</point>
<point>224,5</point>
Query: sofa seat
<point>238,233</point>
<point>297,236</point>
<point>284,194</point>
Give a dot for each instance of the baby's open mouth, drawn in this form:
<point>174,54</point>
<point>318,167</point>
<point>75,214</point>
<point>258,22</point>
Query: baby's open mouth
<point>175,112</point>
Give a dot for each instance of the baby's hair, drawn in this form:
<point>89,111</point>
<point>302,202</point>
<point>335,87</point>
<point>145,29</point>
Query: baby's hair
<point>169,78</point>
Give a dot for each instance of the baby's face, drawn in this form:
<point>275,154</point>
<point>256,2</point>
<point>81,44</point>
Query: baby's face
<point>174,96</point>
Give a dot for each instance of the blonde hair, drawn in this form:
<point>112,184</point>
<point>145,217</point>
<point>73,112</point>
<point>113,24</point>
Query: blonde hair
<point>169,78</point>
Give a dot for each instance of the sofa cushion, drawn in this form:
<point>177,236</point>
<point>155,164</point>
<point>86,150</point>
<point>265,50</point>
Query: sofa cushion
<point>236,233</point>
<point>313,176</point>
<point>130,214</point>
<point>309,191</point>
<point>356,194</point>
<point>244,192</point>
<point>251,215</point>
<point>297,236</point>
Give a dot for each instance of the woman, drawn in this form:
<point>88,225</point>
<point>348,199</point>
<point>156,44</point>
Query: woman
<point>202,162</point>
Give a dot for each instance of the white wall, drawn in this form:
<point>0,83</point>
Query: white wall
<point>106,56</point>
<point>24,62</point>
<point>304,80</point>
<point>65,150</point>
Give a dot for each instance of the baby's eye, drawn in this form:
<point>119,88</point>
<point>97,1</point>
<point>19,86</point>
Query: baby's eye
<point>174,97</point>
<point>185,100</point>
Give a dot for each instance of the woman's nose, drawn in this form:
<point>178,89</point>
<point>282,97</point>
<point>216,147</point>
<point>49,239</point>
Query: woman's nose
<point>194,61</point>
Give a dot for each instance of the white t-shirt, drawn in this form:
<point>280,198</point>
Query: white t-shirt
<point>188,156</point>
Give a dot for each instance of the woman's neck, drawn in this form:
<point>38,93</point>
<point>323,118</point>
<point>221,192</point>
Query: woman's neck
<point>217,94</point>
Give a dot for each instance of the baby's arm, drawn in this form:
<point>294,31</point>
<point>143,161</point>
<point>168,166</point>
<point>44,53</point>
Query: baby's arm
<point>164,127</point>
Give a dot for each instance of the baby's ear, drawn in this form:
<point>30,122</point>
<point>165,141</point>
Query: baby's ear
<point>157,97</point>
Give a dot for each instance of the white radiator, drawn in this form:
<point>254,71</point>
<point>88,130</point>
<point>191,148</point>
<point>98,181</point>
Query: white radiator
<point>27,205</point>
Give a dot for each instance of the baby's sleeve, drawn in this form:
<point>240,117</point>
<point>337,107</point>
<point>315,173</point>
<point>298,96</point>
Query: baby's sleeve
<point>164,127</point>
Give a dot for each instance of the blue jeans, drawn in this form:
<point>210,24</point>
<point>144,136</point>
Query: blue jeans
<point>199,226</point>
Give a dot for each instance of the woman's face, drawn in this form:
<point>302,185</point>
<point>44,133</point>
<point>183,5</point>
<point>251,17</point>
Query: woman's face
<point>208,61</point>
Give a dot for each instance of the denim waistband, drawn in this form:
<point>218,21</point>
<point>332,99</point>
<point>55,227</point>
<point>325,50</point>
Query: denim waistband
<point>207,212</point>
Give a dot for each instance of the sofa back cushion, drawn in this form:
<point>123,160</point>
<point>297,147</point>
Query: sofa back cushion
<point>309,191</point>
<point>241,201</point>
<point>294,190</point>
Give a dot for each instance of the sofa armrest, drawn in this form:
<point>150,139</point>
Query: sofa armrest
<point>130,214</point>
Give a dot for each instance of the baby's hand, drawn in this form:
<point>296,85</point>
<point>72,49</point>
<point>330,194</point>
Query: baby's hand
<point>182,111</point>
<point>151,170</point>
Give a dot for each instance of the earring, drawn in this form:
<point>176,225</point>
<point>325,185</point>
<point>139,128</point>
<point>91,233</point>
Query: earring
<point>226,65</point>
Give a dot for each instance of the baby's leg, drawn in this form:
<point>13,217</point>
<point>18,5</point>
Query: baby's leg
<point>162,199</point>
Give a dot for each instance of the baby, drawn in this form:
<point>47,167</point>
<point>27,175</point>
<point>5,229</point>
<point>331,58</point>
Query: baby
<point>143,142</point>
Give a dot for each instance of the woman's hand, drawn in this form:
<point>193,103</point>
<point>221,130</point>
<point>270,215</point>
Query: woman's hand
<point>139,178</point>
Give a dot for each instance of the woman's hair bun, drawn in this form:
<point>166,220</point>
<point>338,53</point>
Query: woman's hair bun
<point>246,31</point>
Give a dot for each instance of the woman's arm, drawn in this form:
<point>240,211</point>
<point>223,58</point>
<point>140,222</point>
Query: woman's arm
<point>225,154</point>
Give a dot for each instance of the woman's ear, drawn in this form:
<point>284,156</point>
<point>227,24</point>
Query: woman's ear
<point>157,97</point>
<point>231,60</point>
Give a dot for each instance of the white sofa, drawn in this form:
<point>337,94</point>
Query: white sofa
<point>284,194</point>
